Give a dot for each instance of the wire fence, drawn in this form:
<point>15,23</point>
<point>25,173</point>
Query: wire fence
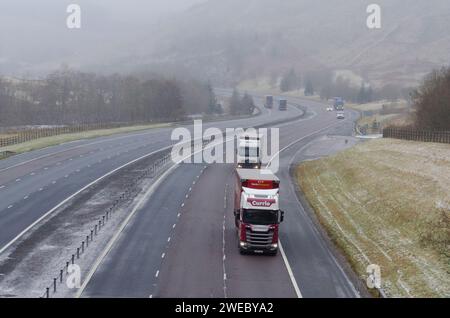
<point>36,133</point>
<point>152,171</point>
<point>417,135</point>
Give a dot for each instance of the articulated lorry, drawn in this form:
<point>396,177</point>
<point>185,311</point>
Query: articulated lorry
<point>249,151</point>
<point>257,212</point>
<point>282,104</point>
<point>338,103</point>
<point>269,101</point>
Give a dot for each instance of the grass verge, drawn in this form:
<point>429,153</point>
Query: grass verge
<point>387,202</point>
<point>263,87</point>
<point>376,120</point>
<point>56,140</point>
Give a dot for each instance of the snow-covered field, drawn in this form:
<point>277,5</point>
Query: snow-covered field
<point>387,202</point>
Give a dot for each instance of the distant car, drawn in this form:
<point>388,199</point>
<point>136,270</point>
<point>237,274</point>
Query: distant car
<point>340,115</point>
<point>329,109</point>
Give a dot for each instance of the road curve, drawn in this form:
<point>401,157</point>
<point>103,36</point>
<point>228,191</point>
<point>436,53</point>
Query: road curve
<point>199,256</point>
<point>33,183</point>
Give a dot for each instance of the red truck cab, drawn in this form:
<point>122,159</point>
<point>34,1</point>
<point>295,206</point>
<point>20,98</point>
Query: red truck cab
<point>257,213</point>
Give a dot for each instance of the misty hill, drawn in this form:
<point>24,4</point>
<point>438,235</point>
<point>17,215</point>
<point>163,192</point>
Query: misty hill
<point>246,39</point>
<point>228,40</point>
<point>34,38</point>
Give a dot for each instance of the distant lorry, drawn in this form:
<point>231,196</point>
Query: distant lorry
<point>282,104</point>
<point>338,103</point>
<point>250,151</point>
<point>269,101</point>
<point>257,212</point>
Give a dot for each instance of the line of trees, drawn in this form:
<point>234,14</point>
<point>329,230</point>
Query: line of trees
<point>72,97</point>
<point>365,93</point>
<point>241,105</point>
<point>326,85</point>
<point>290,81</point>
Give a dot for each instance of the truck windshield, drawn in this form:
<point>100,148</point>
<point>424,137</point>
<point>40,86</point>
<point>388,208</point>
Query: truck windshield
<point>260,217</point>
<point>249,152</point>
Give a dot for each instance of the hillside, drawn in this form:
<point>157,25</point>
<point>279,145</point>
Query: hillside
<point>230,41</point>
<point>243,39</point>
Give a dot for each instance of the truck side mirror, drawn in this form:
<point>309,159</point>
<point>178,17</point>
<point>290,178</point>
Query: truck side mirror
<point>281,216</point>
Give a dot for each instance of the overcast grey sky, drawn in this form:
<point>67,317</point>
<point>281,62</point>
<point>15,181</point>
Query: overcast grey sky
<point>34,33</point>
<point>216,36</point>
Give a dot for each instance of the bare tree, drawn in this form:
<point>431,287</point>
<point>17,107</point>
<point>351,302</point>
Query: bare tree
<point>432,101</point>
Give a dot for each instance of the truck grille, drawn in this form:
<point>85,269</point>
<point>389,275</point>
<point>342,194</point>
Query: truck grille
<point>259,239</point>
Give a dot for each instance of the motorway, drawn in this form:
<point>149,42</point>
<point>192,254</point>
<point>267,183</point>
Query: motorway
<point>33,183</point>
<point>182,243</point>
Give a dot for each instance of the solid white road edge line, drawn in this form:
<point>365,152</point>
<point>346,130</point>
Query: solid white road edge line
<point>75,194</point>
<point>314,229</point>
<point>137,207</point>
<point>300,139</point>
<point>131,135</point>
<point>289,269</point>
<point>113,240</point>
<point>286,262</point>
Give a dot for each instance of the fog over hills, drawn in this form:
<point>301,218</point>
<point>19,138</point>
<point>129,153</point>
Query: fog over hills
<point>229,40</point>
<point>34,37</point>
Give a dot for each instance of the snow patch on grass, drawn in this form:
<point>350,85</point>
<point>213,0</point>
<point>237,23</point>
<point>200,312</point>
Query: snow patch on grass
<point>387,202</point>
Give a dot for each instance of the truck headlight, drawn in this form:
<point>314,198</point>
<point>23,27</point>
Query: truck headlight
<point>274,246</point>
